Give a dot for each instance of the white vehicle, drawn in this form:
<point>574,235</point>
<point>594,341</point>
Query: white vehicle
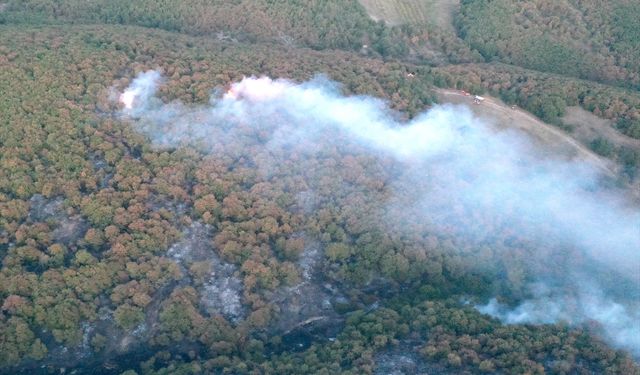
<point>478,99</point>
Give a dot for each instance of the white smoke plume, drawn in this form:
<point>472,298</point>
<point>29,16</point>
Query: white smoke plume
<point>459,175</point>
<point>618,323</point>
<point>136,96</point>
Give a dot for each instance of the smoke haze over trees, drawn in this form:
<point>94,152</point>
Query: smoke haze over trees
<point>166,208</point>
<point>456,168</point>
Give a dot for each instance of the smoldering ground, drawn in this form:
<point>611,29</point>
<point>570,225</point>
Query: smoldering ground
<point>566,247</point>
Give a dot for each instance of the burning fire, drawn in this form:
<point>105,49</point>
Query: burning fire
<point>256,89</point>
<point>127,98</point>
<point>251,89</point>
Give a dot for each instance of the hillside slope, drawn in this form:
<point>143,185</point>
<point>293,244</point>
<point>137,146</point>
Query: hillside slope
<point>183,239</point>
<point>585,39</point>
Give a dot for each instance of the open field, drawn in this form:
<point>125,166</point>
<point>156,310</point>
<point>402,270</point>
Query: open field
<point>397,12</point>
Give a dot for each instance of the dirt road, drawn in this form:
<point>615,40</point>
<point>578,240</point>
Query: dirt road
<point>547,136</point>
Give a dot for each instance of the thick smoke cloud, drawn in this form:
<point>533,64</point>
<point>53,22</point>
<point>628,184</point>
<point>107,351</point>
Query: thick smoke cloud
<point>456,170</point>
<point>136,96</point>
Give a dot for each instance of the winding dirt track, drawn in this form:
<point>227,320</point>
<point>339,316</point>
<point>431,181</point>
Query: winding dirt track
<point>548,136</point>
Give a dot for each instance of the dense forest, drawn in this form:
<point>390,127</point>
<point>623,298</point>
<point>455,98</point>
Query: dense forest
<point>316,24</point>
<point>586,39</point>
<point>574,38</point>
<point>119,256</point>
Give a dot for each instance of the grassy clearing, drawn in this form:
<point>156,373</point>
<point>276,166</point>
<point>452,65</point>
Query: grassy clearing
<point>396,12</point>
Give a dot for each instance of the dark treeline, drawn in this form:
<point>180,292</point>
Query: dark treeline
<point>587,39</point>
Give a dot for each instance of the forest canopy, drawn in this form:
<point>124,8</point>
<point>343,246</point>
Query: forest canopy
<point>122,252</point>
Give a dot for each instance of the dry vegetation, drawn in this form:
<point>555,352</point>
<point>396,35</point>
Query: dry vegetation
<point>112,249</point>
